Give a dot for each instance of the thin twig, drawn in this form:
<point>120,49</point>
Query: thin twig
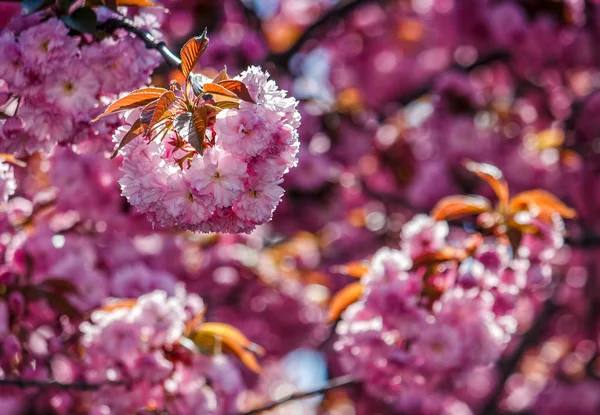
<point>332,384</point>
<point>31,383</point>
<point>149,40</point>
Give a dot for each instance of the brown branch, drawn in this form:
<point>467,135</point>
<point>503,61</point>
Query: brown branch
<point>332,384</point>
<point>31,383</point>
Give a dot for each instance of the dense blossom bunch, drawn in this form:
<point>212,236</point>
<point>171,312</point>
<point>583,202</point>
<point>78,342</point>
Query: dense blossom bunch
<point>229,183</point>
<point>139,344</point>
<point>55,83</point>
<point>426,323</point>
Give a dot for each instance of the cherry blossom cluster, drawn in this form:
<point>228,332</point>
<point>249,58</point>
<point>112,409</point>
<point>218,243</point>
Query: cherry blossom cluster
<point>52,84</point>
<point>235,184</point>
<point>426,324</point>
<point>139,344</point>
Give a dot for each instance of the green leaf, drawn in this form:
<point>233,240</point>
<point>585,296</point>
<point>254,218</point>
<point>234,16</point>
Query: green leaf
<point>30,6</point>
<point>83,20</point>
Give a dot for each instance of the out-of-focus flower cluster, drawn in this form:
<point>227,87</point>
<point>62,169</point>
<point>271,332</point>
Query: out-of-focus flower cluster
<point>426,323</point>
<point>52,84</point>
<point>393,96</point>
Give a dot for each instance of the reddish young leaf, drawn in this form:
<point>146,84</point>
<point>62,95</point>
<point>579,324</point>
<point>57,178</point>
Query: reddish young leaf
<point>162,105</point>
<point>135,130</point>
<point>238,88</point>
<point>154,111</point>
<point>492,176</point>
<point>216,89</point>
<point>227,104</point>
<point>546,204</point>
<point>147,114</point>
<point>454,207</point>
<point>447,253</point>
<point>135,99</point>
<point>222,76</point>
<point>200,121</point>
<point>191,52</point>
<point>346,296</point>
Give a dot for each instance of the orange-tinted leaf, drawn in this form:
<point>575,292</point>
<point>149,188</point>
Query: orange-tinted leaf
<point>135,99</point>
<point>238,88</point>
<point>153,112</point>
<point>147,114</point>
<point>191,52</point>
<point>135,130</point>
<point>162,105</point>
<point>545,202</point>
<point>216,89</point>
<point>138,3</point>
<point>214,337</point>
<point>353,269</point>
<point>346,296</point>
<point>454,207</point>
<point>447,253</point>
<point>9,158</point>
<point>222,76</point>
<point>200,121</point>
<point>121,303</point>
<point>492,176</point>
<point>227,104</point>
<point>550,138</point>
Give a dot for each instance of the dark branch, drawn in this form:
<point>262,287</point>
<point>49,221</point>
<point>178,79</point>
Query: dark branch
<point>82,386</point>
<point>149,40</point>
<point>332,16</point>
<point>507,366</point>
<point>332,384</point>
